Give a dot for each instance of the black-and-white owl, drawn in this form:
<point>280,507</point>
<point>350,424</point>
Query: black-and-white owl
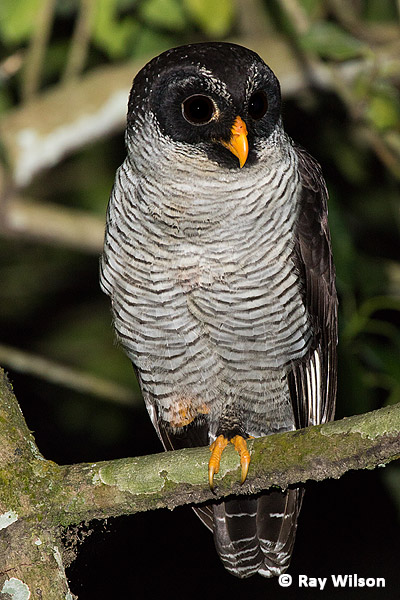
<point>218,263</point>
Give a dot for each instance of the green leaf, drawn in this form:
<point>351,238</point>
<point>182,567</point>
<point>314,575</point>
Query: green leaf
<point>214,18</point>
<point>330,41</point>
<point>167,14</point>
<point>150,42</point>
<point>380,10</point>
<point>5,101</point>
<point>392,139</point>
<point>18,19</point>
<point>384,111</point>
<point>114,36</point>
<point>311,7</point>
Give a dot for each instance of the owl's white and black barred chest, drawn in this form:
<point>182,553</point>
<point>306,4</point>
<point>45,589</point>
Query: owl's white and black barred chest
<point>206,299</point>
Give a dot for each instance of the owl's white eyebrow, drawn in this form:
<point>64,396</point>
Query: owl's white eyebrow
<point>216,84</point>
<point>252,80</point>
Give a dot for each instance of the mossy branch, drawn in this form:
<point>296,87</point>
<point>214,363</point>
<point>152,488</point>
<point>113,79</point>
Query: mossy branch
<point>73,493</point>
<point>38,496</point>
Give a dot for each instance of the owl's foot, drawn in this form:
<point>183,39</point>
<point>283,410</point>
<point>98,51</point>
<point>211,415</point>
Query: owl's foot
<point>218,447</point>
<point>240,446</point>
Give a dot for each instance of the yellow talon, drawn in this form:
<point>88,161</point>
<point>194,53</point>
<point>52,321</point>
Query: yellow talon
<point>218,447</point>
<point>240,446</point>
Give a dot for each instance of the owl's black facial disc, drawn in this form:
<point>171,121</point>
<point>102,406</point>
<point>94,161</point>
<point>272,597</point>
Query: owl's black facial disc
<point>195,94</point>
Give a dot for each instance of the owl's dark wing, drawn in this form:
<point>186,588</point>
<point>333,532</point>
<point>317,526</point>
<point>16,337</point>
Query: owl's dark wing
<point>312,381</point>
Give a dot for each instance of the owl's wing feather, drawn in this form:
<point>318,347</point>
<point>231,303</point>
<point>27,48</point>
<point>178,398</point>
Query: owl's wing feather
<point>313,380</point>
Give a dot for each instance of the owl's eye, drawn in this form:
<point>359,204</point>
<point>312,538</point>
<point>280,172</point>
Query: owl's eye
<point>258,105</point>
<point>198,109</point>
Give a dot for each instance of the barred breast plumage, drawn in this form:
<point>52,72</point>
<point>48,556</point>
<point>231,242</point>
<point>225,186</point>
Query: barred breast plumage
<point>229,330</point>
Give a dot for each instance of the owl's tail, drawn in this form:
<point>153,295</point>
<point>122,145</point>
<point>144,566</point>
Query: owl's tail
<point>253,534</point>
<point>256,534</point>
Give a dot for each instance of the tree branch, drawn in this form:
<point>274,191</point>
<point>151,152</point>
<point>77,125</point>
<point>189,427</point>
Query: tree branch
<point>66,375</point>
<point>31,563</point>
<point>35,55</point>
<point>37,496</point>
<point>51,224</point>
<point>73,493</point>
<point>171,479</point>
<point>80,40</point>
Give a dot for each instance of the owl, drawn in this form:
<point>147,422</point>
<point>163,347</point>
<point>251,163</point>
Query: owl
<point>217,260</point>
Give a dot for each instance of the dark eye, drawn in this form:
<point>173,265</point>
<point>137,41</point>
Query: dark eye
<point>258,105</point>
<point>198,110</point>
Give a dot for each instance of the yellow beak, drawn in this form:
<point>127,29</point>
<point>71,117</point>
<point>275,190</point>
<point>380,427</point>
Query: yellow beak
<point>238,143</point>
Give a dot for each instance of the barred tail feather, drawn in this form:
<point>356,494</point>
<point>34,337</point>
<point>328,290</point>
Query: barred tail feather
<point>256,534</point>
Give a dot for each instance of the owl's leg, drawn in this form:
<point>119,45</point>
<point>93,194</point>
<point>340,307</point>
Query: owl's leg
<point>218,447</point>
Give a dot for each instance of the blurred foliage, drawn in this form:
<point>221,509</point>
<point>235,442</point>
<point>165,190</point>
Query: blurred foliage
<point>17,20</point>
<point>50,302</point>
<point>329,40</point>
